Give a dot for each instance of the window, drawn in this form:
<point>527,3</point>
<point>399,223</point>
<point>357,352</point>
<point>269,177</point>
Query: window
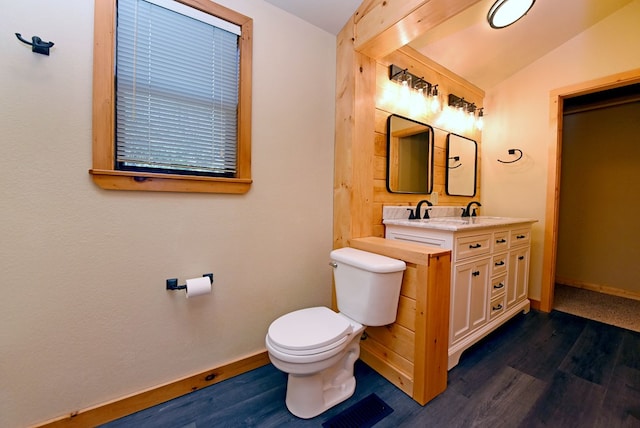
<point>172,94</point>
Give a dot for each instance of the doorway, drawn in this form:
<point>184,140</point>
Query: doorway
<point>558,98</point>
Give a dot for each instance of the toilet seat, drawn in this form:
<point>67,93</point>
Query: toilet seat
<point>309,331</point>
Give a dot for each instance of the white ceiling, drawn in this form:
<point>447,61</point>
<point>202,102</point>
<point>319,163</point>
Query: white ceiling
<point>466,44</point>
<point>330,15</point>
<point>469,47</point>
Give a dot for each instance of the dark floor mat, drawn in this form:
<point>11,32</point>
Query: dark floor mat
<point>364,414</point>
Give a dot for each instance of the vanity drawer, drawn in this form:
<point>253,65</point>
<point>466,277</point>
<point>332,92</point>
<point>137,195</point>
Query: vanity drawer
<point>501,241</point>
<point>498,285</point>
<point>497,306</point>
<point>471,246</point>
<point>520,236</point>
<point>499,264</point>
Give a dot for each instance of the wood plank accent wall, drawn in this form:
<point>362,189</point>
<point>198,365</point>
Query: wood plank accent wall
<point>412,352</point>
<point>372,40</point>
<point>361,160</point>
<point>447,82</point>
<point>361,111</point>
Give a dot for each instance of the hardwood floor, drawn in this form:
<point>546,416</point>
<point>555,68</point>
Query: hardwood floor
<point>538,370</point>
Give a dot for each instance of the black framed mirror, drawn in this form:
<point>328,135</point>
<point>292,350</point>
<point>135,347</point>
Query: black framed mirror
<point>409,156</point>
<point>462,159</point>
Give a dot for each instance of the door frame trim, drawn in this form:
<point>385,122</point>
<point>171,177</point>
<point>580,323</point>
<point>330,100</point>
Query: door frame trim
<point>556,108</point>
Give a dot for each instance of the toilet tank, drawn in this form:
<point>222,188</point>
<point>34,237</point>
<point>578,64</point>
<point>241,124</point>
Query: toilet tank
<point>367,285</point>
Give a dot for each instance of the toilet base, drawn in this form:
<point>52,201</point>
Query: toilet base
<point>310,395</point>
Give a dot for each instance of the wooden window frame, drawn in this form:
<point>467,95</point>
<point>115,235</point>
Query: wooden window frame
<point>103,171</point>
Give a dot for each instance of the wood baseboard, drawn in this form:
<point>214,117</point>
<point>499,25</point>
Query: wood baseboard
<point>142,400</point>
<point>598,288</point>
<point>535,304</point>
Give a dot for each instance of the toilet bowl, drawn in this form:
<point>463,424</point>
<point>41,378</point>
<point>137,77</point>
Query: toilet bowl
<point>318,347</point>
<point>330,338</point>
<point>320,367</point>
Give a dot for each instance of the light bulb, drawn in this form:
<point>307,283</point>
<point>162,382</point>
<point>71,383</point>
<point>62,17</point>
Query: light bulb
<point>405,79</point>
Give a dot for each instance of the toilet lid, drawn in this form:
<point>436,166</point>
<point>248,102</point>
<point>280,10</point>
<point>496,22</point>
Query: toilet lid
<point>308,329</point>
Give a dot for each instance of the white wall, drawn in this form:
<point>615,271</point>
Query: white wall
<point>518,116</point>
<point>84,313</point>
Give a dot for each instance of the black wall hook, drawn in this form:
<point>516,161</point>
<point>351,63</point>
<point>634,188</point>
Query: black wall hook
<point>37,45</point>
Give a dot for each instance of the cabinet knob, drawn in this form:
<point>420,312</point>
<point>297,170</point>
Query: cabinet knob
<point>500,263</point>
<point>475,245</point>
<point>498,307</point>
<point>498,286</point>
<point>521,258</point>
<point>475,273</point>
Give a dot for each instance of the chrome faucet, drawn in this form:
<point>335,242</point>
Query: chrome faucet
<point>467,212</point>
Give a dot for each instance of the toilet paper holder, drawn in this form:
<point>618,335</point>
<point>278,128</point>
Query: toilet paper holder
<point>172,283</point>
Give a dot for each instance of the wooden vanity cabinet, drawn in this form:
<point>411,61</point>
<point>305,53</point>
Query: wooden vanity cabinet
<point>412,353</point>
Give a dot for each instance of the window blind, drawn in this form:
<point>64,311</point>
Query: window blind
<point>177,80</point>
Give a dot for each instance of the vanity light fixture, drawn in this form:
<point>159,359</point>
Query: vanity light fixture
<point>461,104</point>
<point>505,12</point>
<point>418,84</point>
<point>464,113</point>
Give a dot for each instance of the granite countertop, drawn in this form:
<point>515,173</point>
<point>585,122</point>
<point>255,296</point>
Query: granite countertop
<point>459,223</point>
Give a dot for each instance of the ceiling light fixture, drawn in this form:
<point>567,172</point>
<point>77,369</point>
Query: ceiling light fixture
<point>505,12</point>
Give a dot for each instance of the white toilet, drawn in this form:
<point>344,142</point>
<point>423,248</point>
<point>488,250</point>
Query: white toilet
<point>317,347</point>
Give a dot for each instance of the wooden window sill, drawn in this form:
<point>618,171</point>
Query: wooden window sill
<point>153,182</point>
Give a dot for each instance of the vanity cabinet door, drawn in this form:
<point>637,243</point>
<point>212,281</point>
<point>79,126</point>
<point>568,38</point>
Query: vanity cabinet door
<point>469,298</point>
<point>518,277</point>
